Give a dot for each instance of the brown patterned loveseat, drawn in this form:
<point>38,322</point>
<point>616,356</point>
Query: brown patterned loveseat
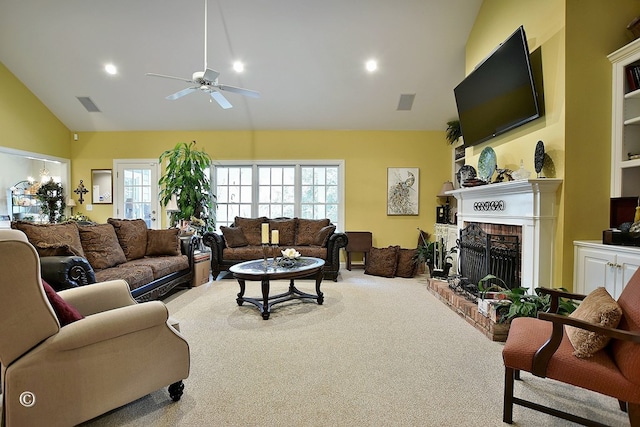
<point>242,242</point>
<point>151,261</point>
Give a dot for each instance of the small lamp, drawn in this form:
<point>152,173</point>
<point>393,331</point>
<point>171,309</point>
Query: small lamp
<point>443,213</point>
<point>172,207</point>
<point>71,203</point>
<point>447,186</point>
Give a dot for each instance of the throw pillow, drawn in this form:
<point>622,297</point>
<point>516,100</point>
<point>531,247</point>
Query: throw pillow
<point>163,242</point>
<point>252,229</point>
<point>599,308</point>
<point>132,236</point>
<point>406,265</point>
<point>53,249</point>
<point>323,235</point>
<point>308,230</point>
<point>286,228</point>
<point>382,261</point>
<point>233,237</point>
<point>65,233</point>
<point>65,312</point>
<point>101,246</point>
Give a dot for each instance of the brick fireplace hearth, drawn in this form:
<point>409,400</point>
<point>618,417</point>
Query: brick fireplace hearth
<point>468,310</point>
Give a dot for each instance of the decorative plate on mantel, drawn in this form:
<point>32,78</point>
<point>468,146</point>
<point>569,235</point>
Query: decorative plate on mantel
<point>465,173</point>
<point>487,164</point>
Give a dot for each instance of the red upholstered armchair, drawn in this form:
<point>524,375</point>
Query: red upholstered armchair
<point>542,346</point>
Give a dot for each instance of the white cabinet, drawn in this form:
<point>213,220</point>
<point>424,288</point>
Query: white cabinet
<point>598,265</point>
<point>625,124</point>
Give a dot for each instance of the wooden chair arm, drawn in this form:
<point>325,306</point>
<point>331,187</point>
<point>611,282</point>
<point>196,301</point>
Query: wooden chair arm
<point>614,333</point>
<point>556,294</point>
<point>543,355</point>
<point>559,293</point>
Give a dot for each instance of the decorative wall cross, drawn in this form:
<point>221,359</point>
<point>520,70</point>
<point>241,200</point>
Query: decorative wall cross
<point>81,190</point>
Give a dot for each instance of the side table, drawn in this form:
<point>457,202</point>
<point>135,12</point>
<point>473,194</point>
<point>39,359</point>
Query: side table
<point>358,241</point>
<point>201,268</point>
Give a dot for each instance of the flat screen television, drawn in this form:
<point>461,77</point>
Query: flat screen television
<point>499,94</point>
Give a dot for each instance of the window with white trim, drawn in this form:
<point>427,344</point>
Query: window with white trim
<point>279,189</point>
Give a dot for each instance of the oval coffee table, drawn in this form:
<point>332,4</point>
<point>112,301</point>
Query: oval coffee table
<point>257,271</point>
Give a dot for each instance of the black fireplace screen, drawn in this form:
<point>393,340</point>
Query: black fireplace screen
<point>482,253</point>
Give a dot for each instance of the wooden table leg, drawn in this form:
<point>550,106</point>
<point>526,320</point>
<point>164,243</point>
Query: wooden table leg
<point>240,298</point>
<point>266,310</point>
<point>319,275</point>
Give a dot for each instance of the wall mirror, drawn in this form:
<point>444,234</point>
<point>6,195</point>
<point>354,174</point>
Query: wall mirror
<point>101,186</point>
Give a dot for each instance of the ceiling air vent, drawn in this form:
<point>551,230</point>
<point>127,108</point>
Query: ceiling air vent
<point>88,104</point>
<point>406,101</point>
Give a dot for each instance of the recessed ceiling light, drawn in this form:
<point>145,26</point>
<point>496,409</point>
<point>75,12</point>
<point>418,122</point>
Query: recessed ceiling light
<point>238,66</point>
<point>371,65</point>
<point>111,69</point>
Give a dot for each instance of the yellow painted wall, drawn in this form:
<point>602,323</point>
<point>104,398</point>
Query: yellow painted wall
<point>574,37</point>
<point>594,29</point>
<point>367,155</point>
<point>26,124</point>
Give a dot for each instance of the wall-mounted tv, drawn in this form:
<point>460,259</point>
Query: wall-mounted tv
<point>499,94</point>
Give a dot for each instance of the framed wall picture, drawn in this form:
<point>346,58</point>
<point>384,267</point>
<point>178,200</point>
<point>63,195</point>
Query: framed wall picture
<point>402,191</point>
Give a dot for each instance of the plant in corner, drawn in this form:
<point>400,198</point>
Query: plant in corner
<point>185,177</point>
<point>454,132</point>
<point>425,251</point>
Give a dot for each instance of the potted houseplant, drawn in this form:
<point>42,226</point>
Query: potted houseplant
<point>424,254</point>
<point>454,132</point>
<point>184,176</point>
<point>517,302</point>
<point>51,196</point>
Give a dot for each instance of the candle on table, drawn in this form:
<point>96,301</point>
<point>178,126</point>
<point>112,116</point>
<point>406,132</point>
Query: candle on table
<point>275,237</point>
<point>265,233</point>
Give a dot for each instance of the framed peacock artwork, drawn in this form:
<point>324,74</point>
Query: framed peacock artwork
<point>403,191</point>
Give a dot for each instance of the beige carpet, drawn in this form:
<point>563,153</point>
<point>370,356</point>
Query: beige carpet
<point>379,352</point>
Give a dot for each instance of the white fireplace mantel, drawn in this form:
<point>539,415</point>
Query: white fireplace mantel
<point>531,204</point>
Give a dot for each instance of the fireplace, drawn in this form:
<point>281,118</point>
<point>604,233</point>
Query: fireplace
<point>528,204</point>
<point>497,252</point>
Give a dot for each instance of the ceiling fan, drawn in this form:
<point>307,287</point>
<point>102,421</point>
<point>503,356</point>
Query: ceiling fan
<point>207,81</point>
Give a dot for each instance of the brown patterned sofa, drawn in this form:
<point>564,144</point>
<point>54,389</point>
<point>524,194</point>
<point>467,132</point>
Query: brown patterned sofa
<point>152,262</point>
<point>242,241</point>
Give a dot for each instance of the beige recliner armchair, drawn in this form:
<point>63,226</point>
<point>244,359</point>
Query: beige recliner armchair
<point>62,376</point>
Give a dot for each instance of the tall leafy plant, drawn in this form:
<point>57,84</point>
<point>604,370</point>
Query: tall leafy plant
<point>184,176</point>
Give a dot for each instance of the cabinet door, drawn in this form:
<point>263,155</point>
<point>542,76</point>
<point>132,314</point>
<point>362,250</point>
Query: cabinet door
<point>627,265</point>
<point>595,268</point>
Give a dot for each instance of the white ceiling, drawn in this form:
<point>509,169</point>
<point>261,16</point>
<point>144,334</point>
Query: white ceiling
<point>305,57</point>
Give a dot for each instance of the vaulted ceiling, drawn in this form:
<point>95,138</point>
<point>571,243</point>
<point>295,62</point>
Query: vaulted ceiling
<point>305,57</point>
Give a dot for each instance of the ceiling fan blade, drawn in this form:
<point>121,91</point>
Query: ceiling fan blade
<point>181,93</point>
<point>210,75</point>
<point>221,100</point>
<point>241,91</point>
<point>170,77</point>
